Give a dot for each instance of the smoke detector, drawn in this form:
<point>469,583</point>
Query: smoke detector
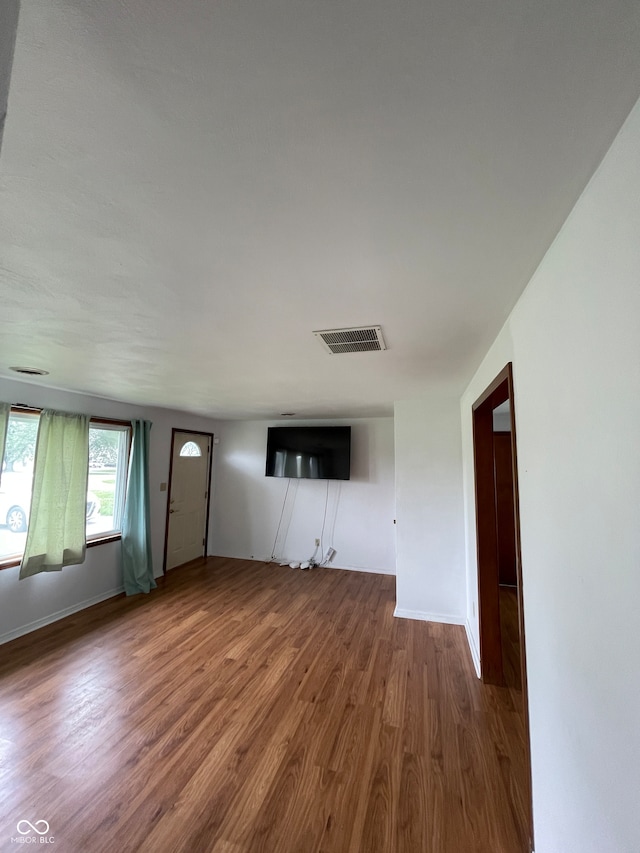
<point>355,339</point>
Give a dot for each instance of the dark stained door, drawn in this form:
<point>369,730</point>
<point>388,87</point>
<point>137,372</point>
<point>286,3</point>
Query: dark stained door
<point>504,508</point>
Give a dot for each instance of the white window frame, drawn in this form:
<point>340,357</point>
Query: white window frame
<point>124,452</point>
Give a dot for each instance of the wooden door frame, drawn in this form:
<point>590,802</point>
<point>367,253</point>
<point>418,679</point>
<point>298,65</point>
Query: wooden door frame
<point>503,432</point>
<point>491,664</point>
<point>210,435</point>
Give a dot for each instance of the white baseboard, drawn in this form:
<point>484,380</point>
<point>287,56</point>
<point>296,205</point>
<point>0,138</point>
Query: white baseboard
<point>361,569</point>
<point>446,618</point>
<point>368,569</point>
<point>475,654</point>
<point>60,614</point>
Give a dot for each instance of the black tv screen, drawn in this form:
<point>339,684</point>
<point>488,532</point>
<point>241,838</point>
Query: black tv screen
<point>314,453</point>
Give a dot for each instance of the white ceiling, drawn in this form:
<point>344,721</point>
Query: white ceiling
<point>188,190</point>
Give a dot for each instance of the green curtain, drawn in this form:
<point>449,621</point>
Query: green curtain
<point>57,519</point>
<point>137,560</point>
<point>5,411</point>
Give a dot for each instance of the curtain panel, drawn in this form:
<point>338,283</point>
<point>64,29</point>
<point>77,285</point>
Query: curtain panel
<point>56,535</point>
<point>137,560</point>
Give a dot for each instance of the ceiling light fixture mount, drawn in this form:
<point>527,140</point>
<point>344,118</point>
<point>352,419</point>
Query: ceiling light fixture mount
<point>353,339</point>
<point>30,371</point>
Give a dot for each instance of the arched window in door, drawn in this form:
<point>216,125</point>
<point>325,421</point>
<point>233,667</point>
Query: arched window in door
<point>190,448</point>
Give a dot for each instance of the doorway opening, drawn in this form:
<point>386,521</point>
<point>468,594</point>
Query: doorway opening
<point>189,497</point>
<point>500,595</point>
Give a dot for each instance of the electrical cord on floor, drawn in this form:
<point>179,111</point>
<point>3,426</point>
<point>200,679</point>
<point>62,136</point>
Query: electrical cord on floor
<point>275,559</point>
<point>324,519</point>
<point>331,551</point>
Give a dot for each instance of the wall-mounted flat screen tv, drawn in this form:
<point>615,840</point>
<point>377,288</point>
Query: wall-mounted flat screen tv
<point>313,453</point>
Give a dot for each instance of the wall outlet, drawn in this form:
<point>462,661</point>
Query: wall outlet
<point>317,543</point>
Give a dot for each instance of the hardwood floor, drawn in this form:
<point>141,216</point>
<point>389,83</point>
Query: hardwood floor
<point>510,637</point>
<point>243,707</point>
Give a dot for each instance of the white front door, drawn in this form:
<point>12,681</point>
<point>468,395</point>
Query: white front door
<point>188,497</point>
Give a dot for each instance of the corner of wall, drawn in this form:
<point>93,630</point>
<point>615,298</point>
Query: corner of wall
<point>473,648</point>
<point>422,616</point>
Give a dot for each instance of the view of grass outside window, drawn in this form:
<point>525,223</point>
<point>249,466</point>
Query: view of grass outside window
<point>108,457</point>
<point>15,483</point>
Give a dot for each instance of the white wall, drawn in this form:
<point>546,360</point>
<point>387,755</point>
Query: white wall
<point>430,556</point>
<point>574,337</point>
<point>27,604</point>
<point>248,505</point>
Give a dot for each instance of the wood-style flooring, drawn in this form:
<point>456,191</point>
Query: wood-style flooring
<point>510,637</point>
<point>242,707</point>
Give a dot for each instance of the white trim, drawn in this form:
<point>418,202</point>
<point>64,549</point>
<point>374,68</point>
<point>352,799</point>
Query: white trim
<point>475,655</point>
<point>286,560</point>
<point>362,569</point>
<point>447,618</point>
<point>54,617</point>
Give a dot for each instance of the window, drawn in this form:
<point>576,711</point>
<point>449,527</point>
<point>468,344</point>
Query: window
<point>190,448</point>
<point>108,457</point>
<point>108,460</point>
<point>15,482</point>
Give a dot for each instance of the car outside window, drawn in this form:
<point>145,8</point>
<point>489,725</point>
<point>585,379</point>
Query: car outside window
<point>15,482</point>
<point>108,461</point>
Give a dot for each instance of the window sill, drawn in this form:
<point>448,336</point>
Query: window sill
<point>12,562</point>
<point>101,540</point>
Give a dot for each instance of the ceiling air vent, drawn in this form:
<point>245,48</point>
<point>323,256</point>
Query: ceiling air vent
<point>357,339</point>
